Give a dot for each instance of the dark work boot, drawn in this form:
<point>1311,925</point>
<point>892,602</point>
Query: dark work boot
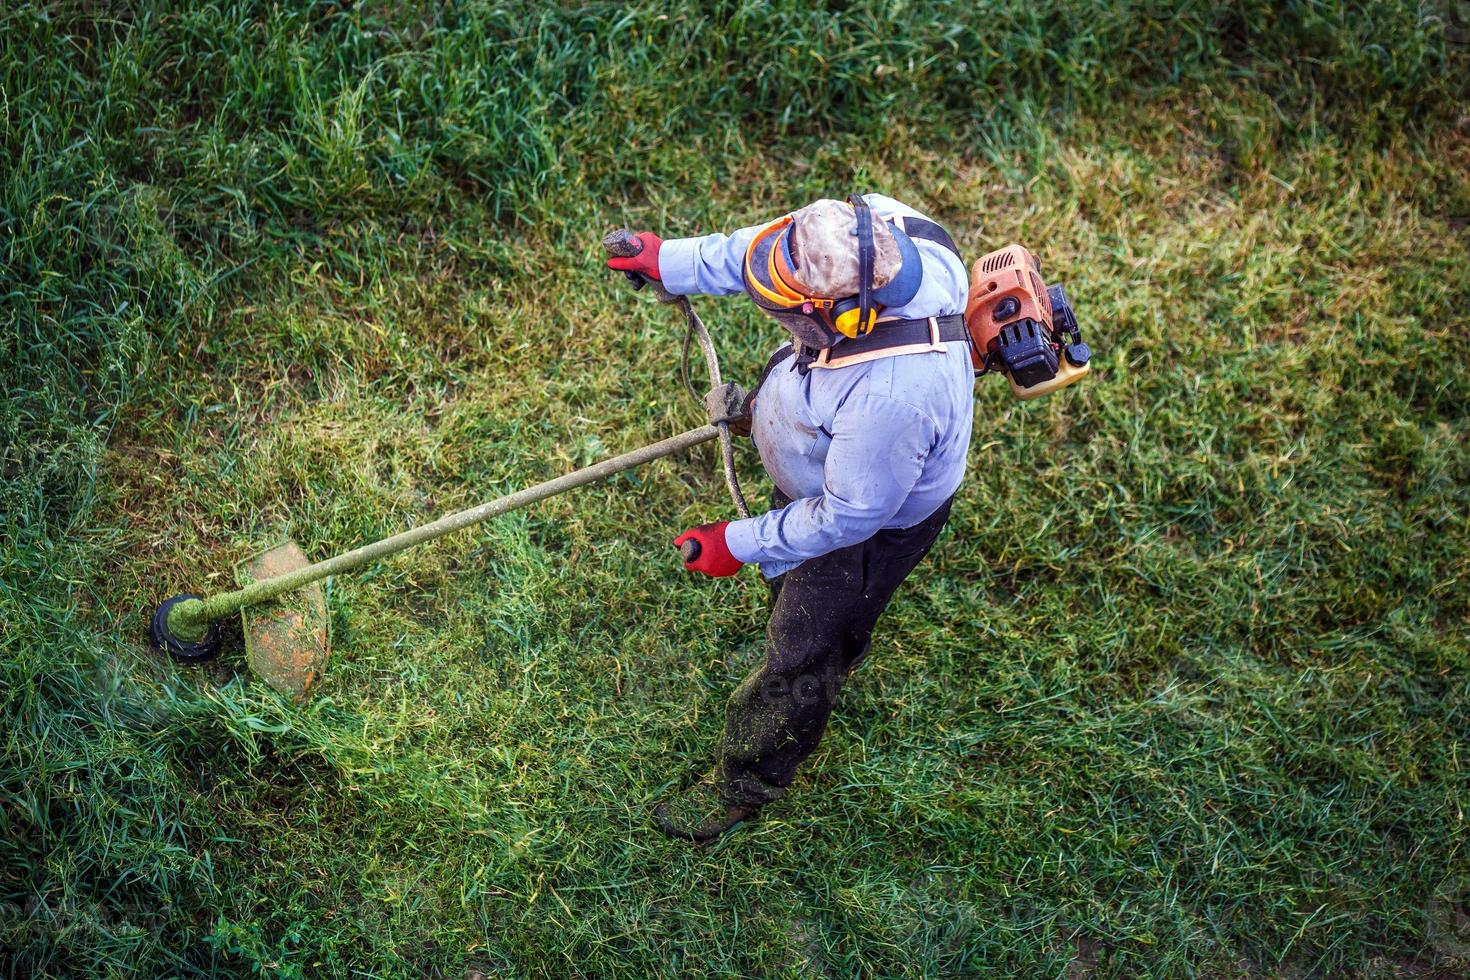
<point>700,813</point>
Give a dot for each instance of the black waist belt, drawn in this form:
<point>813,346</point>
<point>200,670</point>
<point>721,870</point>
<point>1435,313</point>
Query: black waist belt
<point>892,333</point>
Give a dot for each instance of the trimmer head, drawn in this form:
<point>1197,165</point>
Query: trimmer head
<point>286,639</point>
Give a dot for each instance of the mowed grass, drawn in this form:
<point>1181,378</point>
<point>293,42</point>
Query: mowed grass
<point>1183,690</point>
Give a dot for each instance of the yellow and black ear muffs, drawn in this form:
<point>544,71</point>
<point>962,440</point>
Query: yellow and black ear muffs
<point>770,280</point>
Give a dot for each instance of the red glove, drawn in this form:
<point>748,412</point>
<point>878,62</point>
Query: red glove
<point>714,556</point>
<point>645,263</point>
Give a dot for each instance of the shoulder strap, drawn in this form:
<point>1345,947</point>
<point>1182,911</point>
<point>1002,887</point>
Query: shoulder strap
<point>929,231</point>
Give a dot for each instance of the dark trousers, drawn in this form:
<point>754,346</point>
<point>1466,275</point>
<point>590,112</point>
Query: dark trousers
<point>822,618</point>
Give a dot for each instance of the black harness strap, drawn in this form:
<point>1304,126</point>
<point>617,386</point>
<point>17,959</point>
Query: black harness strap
<point>783,352</point>
<point>866,260</point>
<point>896,333</point>
<point>931,232</point>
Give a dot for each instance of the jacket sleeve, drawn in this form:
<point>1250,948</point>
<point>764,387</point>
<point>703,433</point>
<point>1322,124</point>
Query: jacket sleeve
<point>877,454</point>
<point>706,266</point>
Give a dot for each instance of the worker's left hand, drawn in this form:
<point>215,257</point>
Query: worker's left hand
<point>645,263</point>
<point>714,556</point>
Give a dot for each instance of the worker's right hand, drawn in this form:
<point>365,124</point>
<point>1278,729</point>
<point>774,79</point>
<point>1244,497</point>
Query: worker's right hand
<point>645,263</point>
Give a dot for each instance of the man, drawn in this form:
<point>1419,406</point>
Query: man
<point>863,423</point>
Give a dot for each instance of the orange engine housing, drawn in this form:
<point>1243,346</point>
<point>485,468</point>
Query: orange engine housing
<point>1005,286</point>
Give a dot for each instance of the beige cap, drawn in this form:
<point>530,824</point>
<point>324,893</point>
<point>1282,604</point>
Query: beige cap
<point>825,247</point>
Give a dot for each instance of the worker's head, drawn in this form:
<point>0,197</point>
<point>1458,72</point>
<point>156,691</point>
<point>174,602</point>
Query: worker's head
<point>807,269</point>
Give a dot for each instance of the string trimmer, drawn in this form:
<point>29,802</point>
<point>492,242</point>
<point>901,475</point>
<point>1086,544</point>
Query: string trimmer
<point>282,596</point>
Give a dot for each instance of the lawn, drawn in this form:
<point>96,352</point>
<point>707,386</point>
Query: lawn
<point>1184,690</point>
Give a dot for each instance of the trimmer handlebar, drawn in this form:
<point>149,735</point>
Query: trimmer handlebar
<point>624,243</point>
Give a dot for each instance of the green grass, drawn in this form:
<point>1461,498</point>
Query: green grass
<point>1183,691</point>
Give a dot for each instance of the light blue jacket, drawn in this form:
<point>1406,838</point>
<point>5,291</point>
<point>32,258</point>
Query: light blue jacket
<point>857,449</point>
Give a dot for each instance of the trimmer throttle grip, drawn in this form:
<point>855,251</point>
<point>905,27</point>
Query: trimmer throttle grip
<point>624,244</point>
<point>689,551</point>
